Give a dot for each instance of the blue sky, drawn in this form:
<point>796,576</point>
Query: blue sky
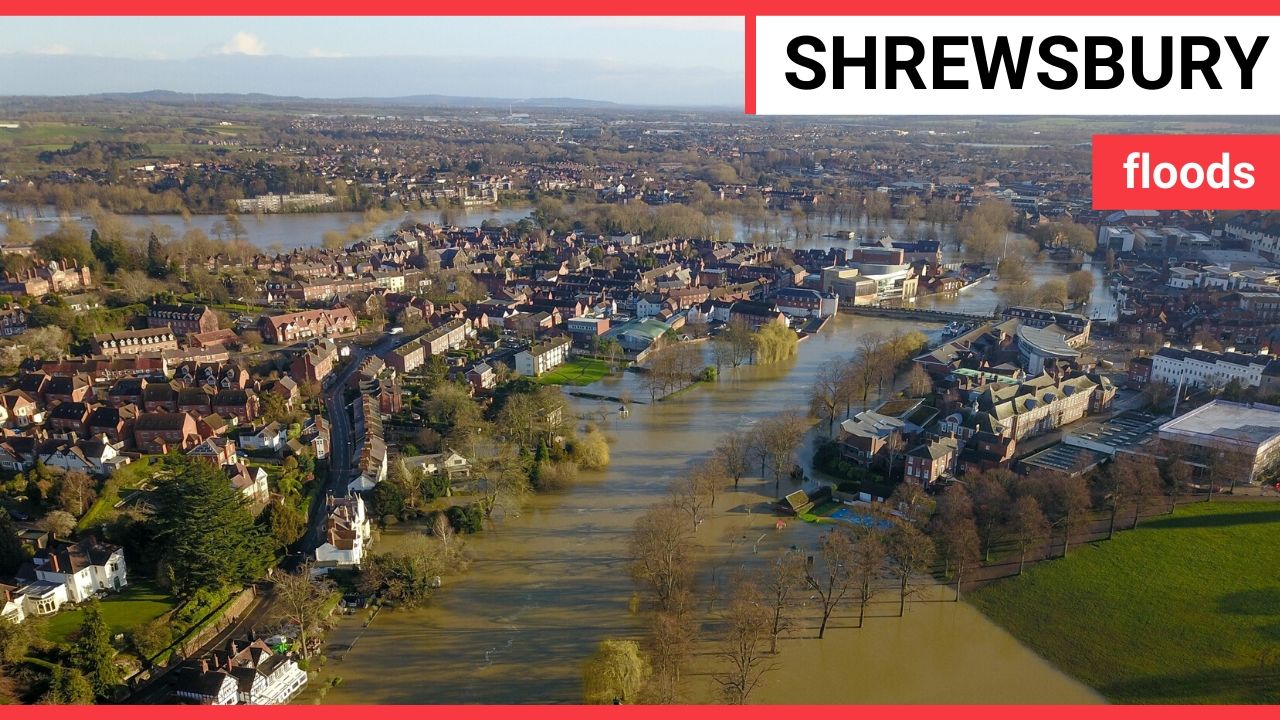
<point>680,61</point>
<point>709,42</point>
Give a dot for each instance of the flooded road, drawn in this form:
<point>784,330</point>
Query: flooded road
<point>545,587</point>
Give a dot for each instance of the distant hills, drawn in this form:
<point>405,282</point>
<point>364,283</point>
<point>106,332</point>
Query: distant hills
<point>381,82</point>
<point>170,97</point>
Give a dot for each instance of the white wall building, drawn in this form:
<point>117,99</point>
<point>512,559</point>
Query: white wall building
<point>347,533</point>
<point>1202,368</point>
<point>543,356</point>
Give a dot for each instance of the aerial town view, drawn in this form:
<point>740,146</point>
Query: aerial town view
<point>445,396</point>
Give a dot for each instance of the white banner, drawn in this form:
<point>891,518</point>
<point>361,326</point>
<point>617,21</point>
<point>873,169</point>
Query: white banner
<point>1017,65</point>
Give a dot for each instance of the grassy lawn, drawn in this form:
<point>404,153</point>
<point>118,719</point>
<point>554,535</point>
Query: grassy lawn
<point>129,477</point>
<point>1185,609</point>
<point>579,371</point>
<point>137,604</point>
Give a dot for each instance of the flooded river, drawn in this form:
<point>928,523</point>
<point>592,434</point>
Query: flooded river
<point>545,587</point>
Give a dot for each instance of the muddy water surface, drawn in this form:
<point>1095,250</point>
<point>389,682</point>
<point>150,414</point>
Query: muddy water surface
<point>547,586</point>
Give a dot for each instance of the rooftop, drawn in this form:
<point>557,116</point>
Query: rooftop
<point>1253,424</point>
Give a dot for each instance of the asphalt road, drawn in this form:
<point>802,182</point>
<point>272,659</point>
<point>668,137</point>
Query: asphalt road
<point>341,440</point>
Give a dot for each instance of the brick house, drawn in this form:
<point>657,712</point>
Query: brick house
<point>234,403</point>
<point>69,417</point>
<point>134,342</point>
<point>158,432</point>
<point>74,388</point>
<point>127,391</point>
<point>292,327</point>
<point>183,319</point>
<point>116,423</point>
<point>159,397</point>
<point>195,400</point>
<point>931,460</point>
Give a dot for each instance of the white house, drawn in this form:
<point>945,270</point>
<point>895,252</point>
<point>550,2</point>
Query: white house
<point>11,608</point>
<point>347,533</point>
<point>251,482</point>
<point>66,572</point>
<point>91,457</point>
<point>448,462</point>
<point>648,306</point>
<point>271,436</point>
<point>242,674</point>
<point>543,356</point>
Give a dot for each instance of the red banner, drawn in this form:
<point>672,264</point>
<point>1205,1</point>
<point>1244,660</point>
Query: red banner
<point>1186,172</point>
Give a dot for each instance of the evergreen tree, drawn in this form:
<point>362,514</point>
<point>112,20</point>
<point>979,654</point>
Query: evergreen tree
<point>68,686</point>
<point>157,263</point>
<point>209,538</point>
<point>93,654</point>
<point>11,554</point>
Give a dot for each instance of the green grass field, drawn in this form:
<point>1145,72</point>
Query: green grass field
<point>579,371</point>
<point>1185,609</point>
<point>137,604</point>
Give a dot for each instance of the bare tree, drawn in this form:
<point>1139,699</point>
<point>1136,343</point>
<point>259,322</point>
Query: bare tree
<point>501,482</point>
<point>300,599</point>
<point>734,452</point>
<point>661,552</point>
<point>670,642</point>
<point>779,437</point>
<point>746,632</point>
<point>991,506</point>
<point>1028,527</point>
<point>957,532</point>
<point>913,502</point>
<point>76,492</point>
<point>1071,501</point>
<point>870,558</point>
<point>785,576</point>
<point>825,395</point>
<point>911,552</point>
<point>836,578</point>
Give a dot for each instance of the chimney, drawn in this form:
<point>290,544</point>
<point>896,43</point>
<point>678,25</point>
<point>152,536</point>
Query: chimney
<point>53,561</point>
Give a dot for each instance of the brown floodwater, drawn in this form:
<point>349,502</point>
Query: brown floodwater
<point>545,587</point>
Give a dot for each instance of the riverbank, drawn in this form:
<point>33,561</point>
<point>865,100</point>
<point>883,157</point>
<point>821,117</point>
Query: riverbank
<point>545,587</point>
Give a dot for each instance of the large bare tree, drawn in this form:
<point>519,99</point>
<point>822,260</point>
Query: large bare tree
<point>835,578</point>
<point>911,552</point>
<point>300,599</point>
<point>784,577</point>
<point>743,646</point>
<point>662,556</point>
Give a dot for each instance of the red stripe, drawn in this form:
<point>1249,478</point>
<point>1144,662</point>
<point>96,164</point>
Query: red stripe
<point>640,712</point>
<point>675,8</point>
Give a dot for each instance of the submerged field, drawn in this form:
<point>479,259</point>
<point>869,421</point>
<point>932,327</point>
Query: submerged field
<point>1185,609</point>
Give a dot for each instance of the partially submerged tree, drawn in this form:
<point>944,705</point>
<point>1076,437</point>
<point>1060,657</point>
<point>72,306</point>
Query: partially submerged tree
<point>743,645</point>
<point>662,556</point>
<point>836,576</point>
<point>615,674</point>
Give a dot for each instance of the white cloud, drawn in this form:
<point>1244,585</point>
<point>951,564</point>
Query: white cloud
<point>242,43</point>
<point>319,53</point>
<point>54,49</point>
